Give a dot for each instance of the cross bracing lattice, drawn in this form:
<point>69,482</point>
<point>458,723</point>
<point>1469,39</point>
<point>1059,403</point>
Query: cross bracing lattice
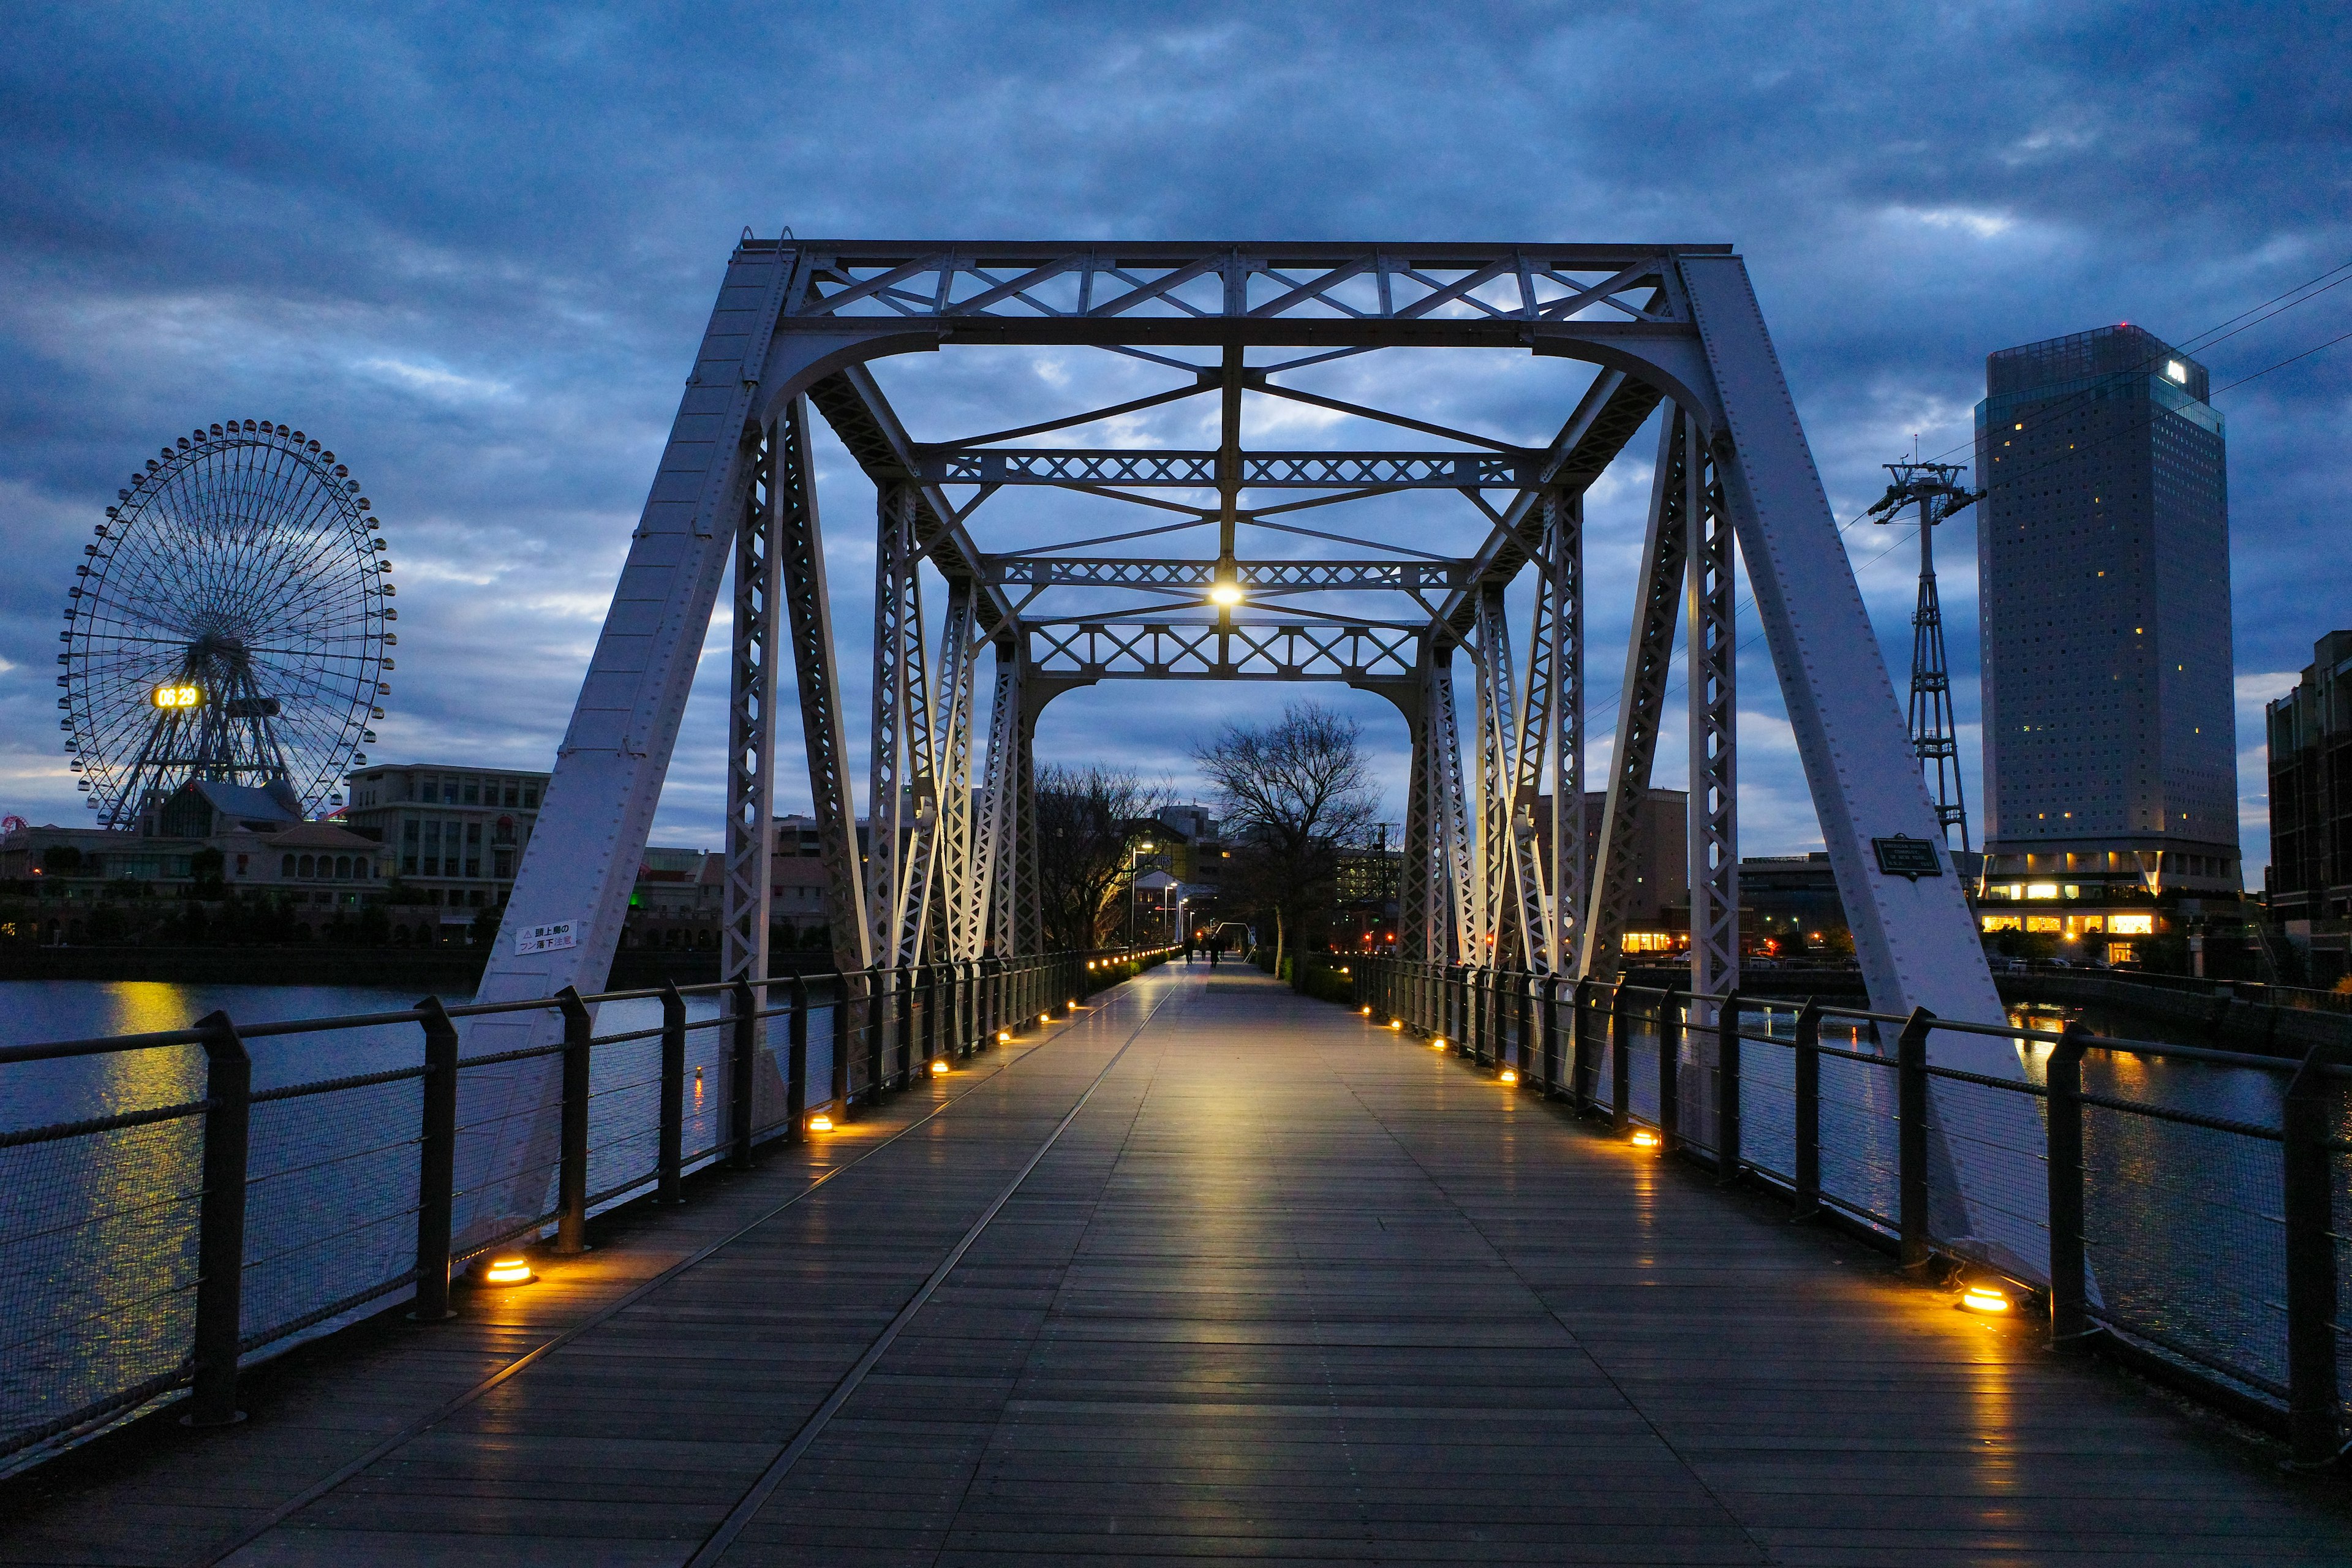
<point>1246,561</point>
<point>1198,470</point>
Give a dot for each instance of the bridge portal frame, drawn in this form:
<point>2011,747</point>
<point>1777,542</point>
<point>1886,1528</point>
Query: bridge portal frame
<point>797,322</point>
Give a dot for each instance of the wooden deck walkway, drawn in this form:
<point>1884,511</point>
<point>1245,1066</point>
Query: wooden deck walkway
<point>1283,1285</point>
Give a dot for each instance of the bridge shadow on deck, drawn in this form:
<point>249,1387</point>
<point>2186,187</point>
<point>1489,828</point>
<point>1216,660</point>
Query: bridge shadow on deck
<point>1287,1286</point>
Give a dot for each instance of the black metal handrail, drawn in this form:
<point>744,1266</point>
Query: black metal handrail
<point>887,1026</point>
<point>1516,1020</point>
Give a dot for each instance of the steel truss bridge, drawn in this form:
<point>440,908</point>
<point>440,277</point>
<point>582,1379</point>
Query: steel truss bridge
<point>1676,335</point>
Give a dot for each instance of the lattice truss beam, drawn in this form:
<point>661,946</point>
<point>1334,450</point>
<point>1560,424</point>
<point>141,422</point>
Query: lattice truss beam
<point>1497,842</point>
<point>1502,872</point>
<point>1279,581</point>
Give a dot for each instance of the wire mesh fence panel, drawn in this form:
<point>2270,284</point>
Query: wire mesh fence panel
<point>2185,1239</point>
<point>1860,1168</point>
<point>822,1021</point>
<point>702,1095</point>
<point>97,1264</point>
<point>1768,1091</point>
<point>1696,1075</point>
<point>330,1202</point>
<point>625,1091</point>
<point>523,1186</point>
<point>1641,1047</point>
<point>772,1066</point>
<point>1989,1174</point>
<point>1603,1048</point>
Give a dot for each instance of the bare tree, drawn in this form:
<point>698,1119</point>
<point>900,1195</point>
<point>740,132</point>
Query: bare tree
<point>1294,793</point>
<point>1090,820</point>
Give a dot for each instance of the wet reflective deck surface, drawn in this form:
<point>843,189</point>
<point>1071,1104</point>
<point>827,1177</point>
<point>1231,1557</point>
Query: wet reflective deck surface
<point>1284,1285</point>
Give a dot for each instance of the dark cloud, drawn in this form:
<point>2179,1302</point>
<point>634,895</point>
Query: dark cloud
<point>474,247</point>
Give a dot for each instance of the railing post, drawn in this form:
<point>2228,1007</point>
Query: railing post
<point>1550,1026</point>
<point>1670,1071</point>
<point>797,1063</point>
<point>1583,1071</point>
<point>2070,1318</point>
<point>1490,1015</point>
<point>2313,1405</point>
<point>902,1037</point>
<point>220,1225</point>
<point>742,1073</point>
<point>1911,1137</point>
<point>1523,1004</point>
<point>436,1164</point>
<point>672,1150</point>
<point>1807,1116</point>
<point>1727,1087</point>
<point>1482,996</point>
<point>1621,1058</point>
<point>923,1042</point>
<point>873,1010</point>
<point>572,1174</point>
<point>839,1087</point>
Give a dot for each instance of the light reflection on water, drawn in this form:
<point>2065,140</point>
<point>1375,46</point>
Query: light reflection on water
<point>97,1231</point>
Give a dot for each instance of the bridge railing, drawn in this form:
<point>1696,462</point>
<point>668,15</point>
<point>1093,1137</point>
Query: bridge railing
<point>2189,1204</point>
<point>174,1203</point>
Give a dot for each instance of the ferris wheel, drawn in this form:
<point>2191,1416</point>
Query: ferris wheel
<point>229,623</point>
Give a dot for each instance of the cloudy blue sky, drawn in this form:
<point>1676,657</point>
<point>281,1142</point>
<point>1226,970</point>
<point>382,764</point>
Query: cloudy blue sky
<point>472,248</point>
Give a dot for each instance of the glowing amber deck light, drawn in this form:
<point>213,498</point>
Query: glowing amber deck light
<point>939,1068</point>
<point>1989,1299</point>
<point>1396,1023</point>
<point>1508,1075</point>
<point>1644,1139</point>
<point>509,1270</point>
<point>1045,1017</point>
<point>1437,1042</point>
<point>1367,1012</point>
<point>1003,1037</point>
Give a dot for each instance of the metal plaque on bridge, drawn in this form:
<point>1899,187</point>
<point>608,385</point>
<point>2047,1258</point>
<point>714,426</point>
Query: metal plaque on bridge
<point>1903,856</point>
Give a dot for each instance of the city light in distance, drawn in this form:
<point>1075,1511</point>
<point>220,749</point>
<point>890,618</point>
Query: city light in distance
<point>178,696</point>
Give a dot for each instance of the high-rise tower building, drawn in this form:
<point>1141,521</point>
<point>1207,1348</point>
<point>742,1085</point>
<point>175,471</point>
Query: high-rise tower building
<point>2103,561</point>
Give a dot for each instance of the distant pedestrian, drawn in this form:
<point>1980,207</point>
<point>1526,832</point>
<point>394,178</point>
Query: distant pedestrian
<point>1188,950</point>
<point>1213,949</point>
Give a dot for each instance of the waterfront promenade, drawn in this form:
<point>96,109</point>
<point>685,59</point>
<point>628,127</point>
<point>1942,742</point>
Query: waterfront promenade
<point>1211,1272</point>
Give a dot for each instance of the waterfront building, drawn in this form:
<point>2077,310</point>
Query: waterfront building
<point>2103,558</point>
<point>209,840</point>
<point>452,835</point>
<point>2310,876</point>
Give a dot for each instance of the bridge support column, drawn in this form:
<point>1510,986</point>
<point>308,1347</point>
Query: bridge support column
<point>799,565</point>
<point>750,737</point>
<point>1649,655</point>
<point>1710,660</point>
